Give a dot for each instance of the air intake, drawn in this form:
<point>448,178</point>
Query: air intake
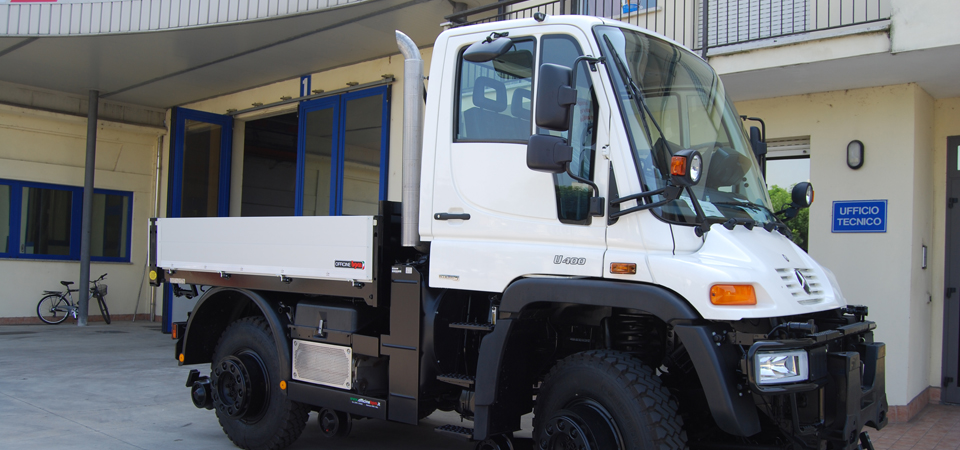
<point>329,365</point>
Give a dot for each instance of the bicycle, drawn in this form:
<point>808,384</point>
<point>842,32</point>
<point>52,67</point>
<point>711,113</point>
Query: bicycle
<point>55,306</point>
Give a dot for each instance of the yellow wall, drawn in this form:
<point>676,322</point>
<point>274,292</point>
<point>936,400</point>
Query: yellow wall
<point>51,148</point>
<point>880,270</point>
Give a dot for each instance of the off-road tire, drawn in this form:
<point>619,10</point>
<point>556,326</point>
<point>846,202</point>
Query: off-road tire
<point>283,420</point>
<point>644,412</point>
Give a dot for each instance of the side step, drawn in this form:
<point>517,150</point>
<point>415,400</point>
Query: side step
<point>455,430</point>
<point>465,381</point>
<point>472,326</point>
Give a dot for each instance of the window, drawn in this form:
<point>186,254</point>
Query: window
<point>494,97</point>
<point>573,197</point>
<point>42,221</point>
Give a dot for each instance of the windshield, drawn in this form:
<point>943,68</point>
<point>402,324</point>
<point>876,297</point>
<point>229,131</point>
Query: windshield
<point>686,107</point>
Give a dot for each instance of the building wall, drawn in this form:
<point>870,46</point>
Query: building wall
<point>880,270</point>
<point>919,24</point>
<point>51,148</point>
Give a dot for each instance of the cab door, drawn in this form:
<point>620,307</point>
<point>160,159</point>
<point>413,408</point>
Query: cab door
<point>493,219</point>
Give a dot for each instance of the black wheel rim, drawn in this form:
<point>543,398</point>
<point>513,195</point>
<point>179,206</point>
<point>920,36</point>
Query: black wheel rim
<point>582,425</point>
<point>329,422</point>
<point>240,387</point>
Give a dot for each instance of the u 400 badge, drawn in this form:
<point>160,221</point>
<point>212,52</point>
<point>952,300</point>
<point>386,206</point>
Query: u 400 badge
<point>570,260</point>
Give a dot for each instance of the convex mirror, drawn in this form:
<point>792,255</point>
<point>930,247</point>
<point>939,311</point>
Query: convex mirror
<point>488,49</point>
<point>549,154</point>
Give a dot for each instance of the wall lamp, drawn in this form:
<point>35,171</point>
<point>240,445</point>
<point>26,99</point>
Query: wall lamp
<point>855,154</point>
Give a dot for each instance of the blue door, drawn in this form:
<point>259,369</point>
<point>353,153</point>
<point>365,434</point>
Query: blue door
<point>199,184</point>
<point>342,154</point>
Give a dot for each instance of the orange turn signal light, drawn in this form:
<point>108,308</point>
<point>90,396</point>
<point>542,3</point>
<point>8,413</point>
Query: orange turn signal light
<point>180,357</point>
<point>678,166</point>
<point>733,294</point>
<point>623,268</point>
<point>283,385</point>
<point>173,332</point>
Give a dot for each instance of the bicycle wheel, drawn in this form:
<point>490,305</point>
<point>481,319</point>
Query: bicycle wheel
<point>53,309</point>
<point>103,309</point>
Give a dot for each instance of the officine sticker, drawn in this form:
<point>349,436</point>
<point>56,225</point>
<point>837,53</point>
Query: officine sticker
<point>349,264</point>
<point>364,402</point>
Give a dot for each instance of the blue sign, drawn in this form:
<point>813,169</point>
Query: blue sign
<point>305,85</point>
<point>860,216</point>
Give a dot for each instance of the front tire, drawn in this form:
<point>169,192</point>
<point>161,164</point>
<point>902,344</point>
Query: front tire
<point>253,410</point>
<point>52,309</point>
<point>103,309</point>
<point>605,400</point>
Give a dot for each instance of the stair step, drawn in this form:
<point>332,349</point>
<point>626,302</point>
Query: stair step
<point>455,430</point>
<point>457,379</point>
<point>472,326</point>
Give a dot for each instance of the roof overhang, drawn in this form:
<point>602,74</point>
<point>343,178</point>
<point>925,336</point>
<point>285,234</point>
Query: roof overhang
<point>167,68</point>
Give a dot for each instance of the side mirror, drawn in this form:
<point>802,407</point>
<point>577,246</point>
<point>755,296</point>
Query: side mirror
<point>548,154</point>
<point>555,97</point>
<point>759,149</point>
<point>802,195</point>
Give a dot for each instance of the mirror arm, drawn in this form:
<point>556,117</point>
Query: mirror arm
<point>670,194</point>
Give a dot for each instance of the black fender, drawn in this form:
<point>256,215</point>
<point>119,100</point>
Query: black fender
<point>221,306</point>
<point>504,379</point>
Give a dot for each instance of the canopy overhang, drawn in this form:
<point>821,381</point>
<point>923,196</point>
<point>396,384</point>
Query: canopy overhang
<point>162,69</point>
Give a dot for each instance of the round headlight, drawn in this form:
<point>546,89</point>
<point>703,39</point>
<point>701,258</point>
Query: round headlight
<point>696,167</point>
<point>809,194</point>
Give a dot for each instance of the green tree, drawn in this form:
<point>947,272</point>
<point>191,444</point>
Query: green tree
<point>798,225</point>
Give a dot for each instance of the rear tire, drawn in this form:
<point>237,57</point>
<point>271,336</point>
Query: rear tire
<point>103,309</point>
<point>253,410</point>
<point>605,400</point>
<point>52,309</point>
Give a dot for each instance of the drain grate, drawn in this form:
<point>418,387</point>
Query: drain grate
<point>11,333</point>
<point>111,332</point>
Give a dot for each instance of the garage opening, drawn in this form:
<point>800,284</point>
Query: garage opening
<point>270,166</point>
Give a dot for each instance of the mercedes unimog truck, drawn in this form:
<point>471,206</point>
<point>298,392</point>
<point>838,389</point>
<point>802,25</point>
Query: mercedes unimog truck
<point>584,233</point>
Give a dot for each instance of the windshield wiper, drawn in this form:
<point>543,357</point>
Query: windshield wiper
<point>635,93</point>
<point>672,192</point>
<point>750,223</point>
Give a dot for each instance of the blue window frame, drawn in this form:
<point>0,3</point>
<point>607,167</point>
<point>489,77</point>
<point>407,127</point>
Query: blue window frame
<point>330,129</point>
<point>202,141</point>
<point>42,221</point>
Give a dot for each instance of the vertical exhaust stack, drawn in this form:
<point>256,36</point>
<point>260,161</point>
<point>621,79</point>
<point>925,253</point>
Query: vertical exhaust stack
<point>412,141</point>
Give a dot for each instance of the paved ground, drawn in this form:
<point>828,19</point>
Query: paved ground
<point>117,386</point>
<point>936,427</point>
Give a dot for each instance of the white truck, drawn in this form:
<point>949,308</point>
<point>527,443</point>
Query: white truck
<point>586,235</point>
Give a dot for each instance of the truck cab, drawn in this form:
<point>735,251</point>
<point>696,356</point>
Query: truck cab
<point>589,239</point>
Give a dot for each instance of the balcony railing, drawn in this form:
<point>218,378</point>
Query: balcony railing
<point>728,22</point>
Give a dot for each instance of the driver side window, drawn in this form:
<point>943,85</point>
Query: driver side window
<point>573,197</point>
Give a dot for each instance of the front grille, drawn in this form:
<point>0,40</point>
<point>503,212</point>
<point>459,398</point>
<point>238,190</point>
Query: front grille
<point>792,284</point>
<point>329,365</point>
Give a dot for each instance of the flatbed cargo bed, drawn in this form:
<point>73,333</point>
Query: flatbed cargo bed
<point>313,248</point>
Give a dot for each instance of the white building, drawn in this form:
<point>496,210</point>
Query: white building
<point>245,107</point>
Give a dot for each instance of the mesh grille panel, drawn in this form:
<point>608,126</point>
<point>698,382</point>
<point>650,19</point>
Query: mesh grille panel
<point>329,365</point>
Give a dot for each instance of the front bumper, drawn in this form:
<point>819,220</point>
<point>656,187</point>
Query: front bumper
<point>843,392</point>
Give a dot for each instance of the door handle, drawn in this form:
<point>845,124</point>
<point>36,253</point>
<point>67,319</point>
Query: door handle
<point>448,216</point>
<point>950,292</point>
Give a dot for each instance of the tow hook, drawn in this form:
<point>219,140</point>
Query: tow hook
<point>199,390</point>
